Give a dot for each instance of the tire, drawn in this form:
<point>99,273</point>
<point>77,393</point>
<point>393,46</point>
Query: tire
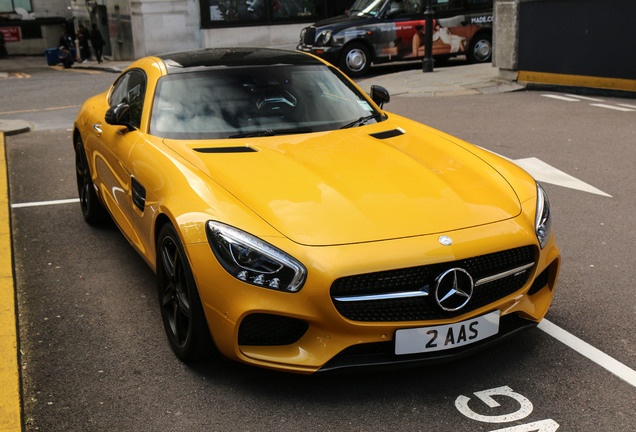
<point>181,309</point>
<point>355,59</point>
<point>480,48</point>
<point>92,209</point>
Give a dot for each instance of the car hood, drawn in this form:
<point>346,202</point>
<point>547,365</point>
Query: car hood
<point>350,186</point>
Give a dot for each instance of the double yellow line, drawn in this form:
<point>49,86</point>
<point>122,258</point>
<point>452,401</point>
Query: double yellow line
<point>9,376</point>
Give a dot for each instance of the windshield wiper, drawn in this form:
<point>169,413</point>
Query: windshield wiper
<point>362,120</point>
<point>272,132</point>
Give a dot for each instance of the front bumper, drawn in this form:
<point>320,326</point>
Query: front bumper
<point>312,335</point>
<point>382,355</point>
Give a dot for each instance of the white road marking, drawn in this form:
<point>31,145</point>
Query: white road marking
<point>613,107</point>
<point>576,98</point>
<point>587,350</point>
<point>44,203</point>
<point>563,98</point>
<point>543,172</point>
<point>486,396</point>
<point>584,97</point>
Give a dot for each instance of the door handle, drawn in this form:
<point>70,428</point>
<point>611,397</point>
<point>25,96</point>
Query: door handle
<point>97,127</point>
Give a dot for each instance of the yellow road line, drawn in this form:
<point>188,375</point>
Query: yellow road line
<point>9,376</point>
<point>577,80</point>
<point>39,109</point>
<point>86,71</point>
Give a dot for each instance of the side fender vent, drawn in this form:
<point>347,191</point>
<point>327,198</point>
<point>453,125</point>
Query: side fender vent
<point>138,194</point>
<point>388,134</point>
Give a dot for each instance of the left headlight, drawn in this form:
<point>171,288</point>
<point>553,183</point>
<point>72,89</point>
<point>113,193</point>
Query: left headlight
<point>253,260</point>
<point>543,218</point>
<point>324,38</point>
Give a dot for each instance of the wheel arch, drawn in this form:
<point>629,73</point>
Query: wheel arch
<point>161,220</point>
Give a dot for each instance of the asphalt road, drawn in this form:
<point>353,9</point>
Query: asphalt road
<point>93,351</point>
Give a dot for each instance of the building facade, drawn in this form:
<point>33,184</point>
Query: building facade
<point>137,28</point>
<point>31,26</point>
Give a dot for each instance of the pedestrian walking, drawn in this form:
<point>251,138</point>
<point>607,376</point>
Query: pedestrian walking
<point>98,43</point>
<point>83,37</point>
<point>3,48</point>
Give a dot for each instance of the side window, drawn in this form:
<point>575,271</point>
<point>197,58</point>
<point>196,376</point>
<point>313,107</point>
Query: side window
<point>405,8</point>
<point>447,5</point>
<point>130,89</point>
<point>414,7</point>
<point>119,90</point>
<point>480,3</point>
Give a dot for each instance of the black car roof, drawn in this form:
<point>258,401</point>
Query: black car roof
<point>186,61</point>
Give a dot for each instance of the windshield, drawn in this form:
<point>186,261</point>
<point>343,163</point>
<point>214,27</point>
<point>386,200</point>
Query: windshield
<point>366,7</point>
<point>257,101</point>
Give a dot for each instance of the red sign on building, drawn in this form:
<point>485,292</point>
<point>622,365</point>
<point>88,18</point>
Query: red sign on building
<point>11,34</point>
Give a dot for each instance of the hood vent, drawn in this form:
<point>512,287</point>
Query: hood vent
<point>243,149</point>
<point>388,134</point>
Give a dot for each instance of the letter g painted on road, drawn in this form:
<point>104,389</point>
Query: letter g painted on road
<point>486,396</point>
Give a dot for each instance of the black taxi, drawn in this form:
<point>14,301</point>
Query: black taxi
<point>379,31</point>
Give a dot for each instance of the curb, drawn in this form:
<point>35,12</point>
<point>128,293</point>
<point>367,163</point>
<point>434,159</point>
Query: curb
<point>14,127</point>
<point>10,411</point>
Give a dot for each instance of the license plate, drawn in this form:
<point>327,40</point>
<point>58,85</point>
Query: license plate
<point>446,336</point>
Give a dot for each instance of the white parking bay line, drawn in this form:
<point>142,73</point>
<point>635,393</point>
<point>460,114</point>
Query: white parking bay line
<point>627,106</point>
<point>584,98</point>
<point>587,350</point>
<point>563,98</point>
<point>45,203</point>
<point>613,107</point>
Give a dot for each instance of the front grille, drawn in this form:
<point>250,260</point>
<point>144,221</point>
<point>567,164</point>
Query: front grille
<point>267,330</point>
<point>309,36</point>
<point>414,278</point>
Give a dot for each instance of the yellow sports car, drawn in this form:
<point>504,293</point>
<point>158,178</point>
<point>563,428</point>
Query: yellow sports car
<point>294,224</point>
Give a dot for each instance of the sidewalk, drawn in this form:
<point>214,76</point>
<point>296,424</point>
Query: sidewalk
<point>456,80</point>
<point>114,66</point>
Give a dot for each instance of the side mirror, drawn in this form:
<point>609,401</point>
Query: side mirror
<point>119,115</point>
<point>380,95</point>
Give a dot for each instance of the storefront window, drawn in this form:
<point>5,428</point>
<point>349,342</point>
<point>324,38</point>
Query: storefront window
<point>235,11</point>
<point>225,13</point>
<point>293,9</point>
<point>11,5</point>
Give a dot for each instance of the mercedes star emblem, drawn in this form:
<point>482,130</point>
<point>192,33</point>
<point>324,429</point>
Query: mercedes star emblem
<point>453,289</point>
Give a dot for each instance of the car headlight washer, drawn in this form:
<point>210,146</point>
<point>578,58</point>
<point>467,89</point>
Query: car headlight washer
<point>543,218</point>
<point>253,260</point>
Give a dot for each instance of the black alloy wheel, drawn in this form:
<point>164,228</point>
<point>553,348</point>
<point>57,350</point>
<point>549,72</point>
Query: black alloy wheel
<point>92,209</point>
<point>181,310</point>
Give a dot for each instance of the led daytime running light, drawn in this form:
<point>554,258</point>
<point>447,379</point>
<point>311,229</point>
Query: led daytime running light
<point>254,261</point>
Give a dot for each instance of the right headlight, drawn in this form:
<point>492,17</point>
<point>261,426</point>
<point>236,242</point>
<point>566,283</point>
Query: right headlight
<point>253,260</point>
<point>543,218</point>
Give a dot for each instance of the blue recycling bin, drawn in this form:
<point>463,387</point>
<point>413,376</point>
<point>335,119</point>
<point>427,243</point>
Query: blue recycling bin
<point>52,56</point>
